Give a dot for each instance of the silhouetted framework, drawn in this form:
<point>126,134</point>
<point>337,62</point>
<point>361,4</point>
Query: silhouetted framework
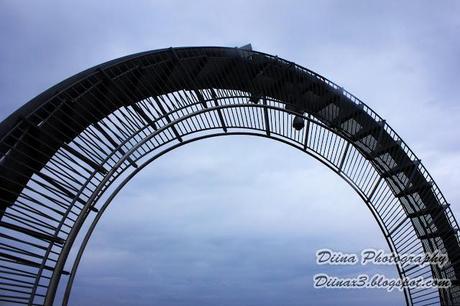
<point>65,154</point>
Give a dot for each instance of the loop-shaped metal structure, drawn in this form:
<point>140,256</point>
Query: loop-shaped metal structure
<point>66,154</point>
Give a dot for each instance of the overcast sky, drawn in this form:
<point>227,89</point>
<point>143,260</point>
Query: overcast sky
<point>237,221</point>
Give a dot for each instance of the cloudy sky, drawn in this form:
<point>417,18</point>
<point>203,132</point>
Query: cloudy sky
<point>237,221</point>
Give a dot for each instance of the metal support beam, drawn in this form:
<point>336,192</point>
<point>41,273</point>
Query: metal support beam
<point>85,159</point>
<point>219,112</point>
<point>165,114</point>
<point>344,156</point>
<point>266,119</point>
<point>144,116</point>
<point>32,233</point>
<point>29,262</point>
<point>113,143</point>
<point>307,131</point>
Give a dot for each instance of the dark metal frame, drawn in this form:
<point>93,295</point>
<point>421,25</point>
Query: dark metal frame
<point>68,152</point>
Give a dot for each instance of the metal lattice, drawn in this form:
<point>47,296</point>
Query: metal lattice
<point>67,153</point>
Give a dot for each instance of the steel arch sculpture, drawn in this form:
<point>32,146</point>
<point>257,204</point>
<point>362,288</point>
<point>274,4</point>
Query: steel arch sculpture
<point>67,153</point>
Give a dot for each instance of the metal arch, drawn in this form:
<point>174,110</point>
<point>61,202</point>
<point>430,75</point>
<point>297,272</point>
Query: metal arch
<point>101,122</point>
<point>306,149</point>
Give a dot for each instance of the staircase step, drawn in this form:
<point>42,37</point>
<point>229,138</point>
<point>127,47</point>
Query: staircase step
<point>366,131</point>
<point>344,116</point>
<point>414,189</point>
<point>439,234</point>
<point>400,168</point>
<point>385,149</point>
